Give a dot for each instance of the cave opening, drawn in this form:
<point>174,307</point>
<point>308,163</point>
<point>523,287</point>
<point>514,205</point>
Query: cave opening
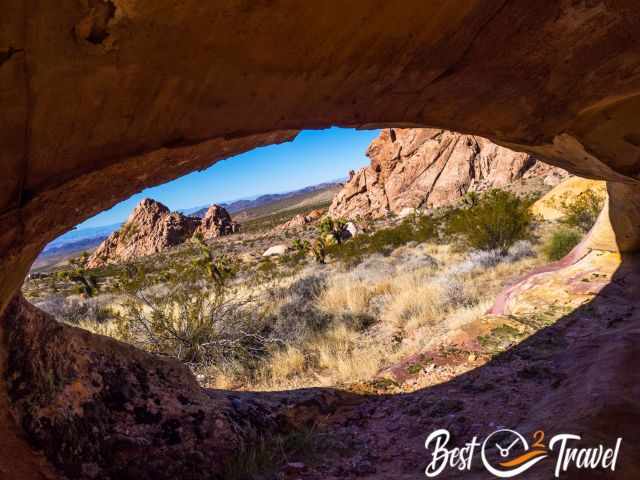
<point>101,102</point>
<point>278,319</point>
<point>301,277</point>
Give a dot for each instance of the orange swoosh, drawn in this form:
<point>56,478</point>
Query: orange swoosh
<point>523,458</point>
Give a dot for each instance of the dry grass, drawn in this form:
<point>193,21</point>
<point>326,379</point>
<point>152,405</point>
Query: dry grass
<point>337,356</point>
<point>339,326</point>
<point>412,308</point>
<point>346,295</point>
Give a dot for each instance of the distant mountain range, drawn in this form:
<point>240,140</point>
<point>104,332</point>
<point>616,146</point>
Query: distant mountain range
<point>247,203</point>
<point>82,239</point>
<point>82,235</point>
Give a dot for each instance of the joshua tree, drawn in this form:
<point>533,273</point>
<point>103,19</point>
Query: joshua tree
<point>333,227</point>
<point>87,284</point>
<point>217,269</point>
<point>319,250</point>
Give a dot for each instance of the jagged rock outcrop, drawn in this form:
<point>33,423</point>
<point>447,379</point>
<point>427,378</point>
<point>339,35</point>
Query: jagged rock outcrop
<point>423,167</point>
<point>217,223</point>
<point>150,228</point>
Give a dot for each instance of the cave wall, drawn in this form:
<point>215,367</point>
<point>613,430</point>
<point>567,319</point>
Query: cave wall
<point>102,99</point>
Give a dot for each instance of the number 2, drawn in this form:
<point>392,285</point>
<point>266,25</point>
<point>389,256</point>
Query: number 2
<point>538,437</point>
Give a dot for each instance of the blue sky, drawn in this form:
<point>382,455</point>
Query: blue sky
<point>315,156</point>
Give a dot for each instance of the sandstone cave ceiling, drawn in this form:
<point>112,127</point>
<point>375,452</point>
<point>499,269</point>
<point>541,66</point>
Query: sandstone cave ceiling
<point>102,99</point>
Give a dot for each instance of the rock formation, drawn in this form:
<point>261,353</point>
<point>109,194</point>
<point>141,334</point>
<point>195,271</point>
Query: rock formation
<point>152,228</point>
<point>412,168</point>
<point>99,103</point>
<point>548,207</point>
<point>136,415</point>
<point>217,223</point>
<point>276,250</point>
<point>302,219</point>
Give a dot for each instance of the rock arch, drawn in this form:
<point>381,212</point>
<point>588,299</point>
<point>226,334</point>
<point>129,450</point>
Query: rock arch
<point>102,101</point>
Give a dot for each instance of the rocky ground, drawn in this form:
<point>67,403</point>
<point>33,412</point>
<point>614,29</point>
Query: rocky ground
<point>535,370</point>
<point>537,363</point>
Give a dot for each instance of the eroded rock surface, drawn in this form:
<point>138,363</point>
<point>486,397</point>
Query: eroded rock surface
<point>549,206</point>
<point>99,408</point>
<point>101,101</point>
<point>216,223</point>
<point>303,219</point>
<point>150,228</point>
<point>413,168</point>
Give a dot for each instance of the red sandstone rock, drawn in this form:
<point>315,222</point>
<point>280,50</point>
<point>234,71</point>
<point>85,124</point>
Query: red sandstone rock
<point>302,219</point>
<point>556,78</point>
<point>150,228</point>
<point>414,167</point>
<point>216,223</point>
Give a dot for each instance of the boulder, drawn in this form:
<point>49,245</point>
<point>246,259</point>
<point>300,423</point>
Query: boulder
<point>350,230</point>
<point>423,167</point>
<point>275,250</point>
<point>302,219</point>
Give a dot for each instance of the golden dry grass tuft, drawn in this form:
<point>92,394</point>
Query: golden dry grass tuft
<point>333,326</point>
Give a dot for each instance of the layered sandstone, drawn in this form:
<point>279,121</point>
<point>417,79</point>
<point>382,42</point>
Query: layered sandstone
<point>424,168</point>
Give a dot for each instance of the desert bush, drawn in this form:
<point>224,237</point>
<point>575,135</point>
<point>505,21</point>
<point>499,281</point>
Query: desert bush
<point>319,250</point>
<point>78,310</point>
<point>297,317</point>
<point>300,250</point>
<point>519,250</point>
<point>561,243</point>
<point>454,293</point>
<point>85,282</point>
<point>416,228</point>
<point>191,314</point>
<point>582,212</point>
<point>495,221</point>
<point>218,268</point>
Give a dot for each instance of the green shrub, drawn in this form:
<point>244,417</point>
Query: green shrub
<point>495,221</point>
<point>319,250</point>
<point>334,227</point>
<point>561,243</point>
<point>582,212</point>
<point>416,228</point>
<point>190,313</point>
